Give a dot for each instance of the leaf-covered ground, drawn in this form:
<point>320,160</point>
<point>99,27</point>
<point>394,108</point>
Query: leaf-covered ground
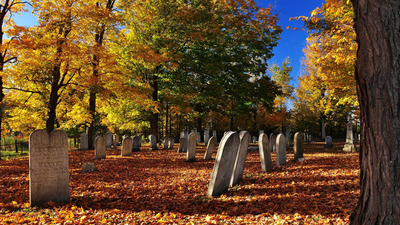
<point>160,187</point>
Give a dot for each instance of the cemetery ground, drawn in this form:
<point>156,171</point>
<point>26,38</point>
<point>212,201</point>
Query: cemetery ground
<point>158,186</point>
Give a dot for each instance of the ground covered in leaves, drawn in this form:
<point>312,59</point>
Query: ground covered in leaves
<point>153,187</point>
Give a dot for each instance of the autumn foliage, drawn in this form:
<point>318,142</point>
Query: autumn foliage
<point>160,187</point>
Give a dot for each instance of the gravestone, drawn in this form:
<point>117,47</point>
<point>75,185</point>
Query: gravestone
<point>349,146</point>
<point>238,168</point>
<point>328,142</point>
<point>298,145</point>
<point>181,144</point>
<point>48,167</point>
<point>115,141</point>
<point>153,142</point>
<point>223,166</point>
<point>184,134</point>
<point>109,138</point>
<point>100,148</point>
<point>94,138</point>
<point>265,153</point>
<point>323,130</point>
<point>288,139</point>
<point>191,153</point>
<point>126,149</point>
<point>206,135</point>
<point>272,142</point>
<point>136,143</point>
<point>280,150</point>
<point>215,135</point>
<point>171,143</point>
<point>84,142</point>
<point>166,143</point>
<point>210,148</point>
<point>89,167</point>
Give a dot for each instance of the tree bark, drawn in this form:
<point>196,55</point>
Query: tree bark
<point>377,25</point>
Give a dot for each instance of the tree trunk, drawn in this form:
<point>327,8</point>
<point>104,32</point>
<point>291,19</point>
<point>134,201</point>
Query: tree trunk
<point>377,25</point>
<point>154,116</point>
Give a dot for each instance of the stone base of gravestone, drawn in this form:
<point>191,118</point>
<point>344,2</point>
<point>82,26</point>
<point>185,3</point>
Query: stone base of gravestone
<point>89,167</point>
<point>349,148</point>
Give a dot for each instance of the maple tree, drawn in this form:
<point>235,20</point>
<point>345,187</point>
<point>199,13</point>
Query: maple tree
<point>377,76</point>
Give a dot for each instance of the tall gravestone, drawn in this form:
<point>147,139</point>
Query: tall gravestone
<point>109,138</point>
<point>48,167</point>
<point>265,153</point>
<point>298,145</point>
<point>153,142</point>
<point>323,130</point>
<point>191,153</point>
<point>223,166</point>
<point>181,145</point>
<point>328,142</point>
<point>349,146</point>
<point>84,142</point>
<point>171,143</point>
<point>210,148</point>
<point>280,150</point>
<point>238,168</point>
<point>136,143</point>
<point>272,142</point>
<point>100,148</point>
<point>126,149</point>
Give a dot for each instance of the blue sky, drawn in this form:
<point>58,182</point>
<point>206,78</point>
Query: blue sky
<point>292,42</point>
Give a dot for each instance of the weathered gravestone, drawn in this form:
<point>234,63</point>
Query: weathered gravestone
<point>349,146</point>
<point>238,168</point>
<point>328,142</point>
<point>181,145</point>
<point>206,135</point>
<point>223,166</point>
<point>215,135</point>
<point>109,138</point>
<point>126,149</point>
<point>89,167</point>
<point>265,153</point>
<point>136,143</point>
<point>272,142</point>
<point>84,142</point>
<point>191,153</point>
<point>153,142</point>
<point>94,140</point>
<point>115,141</point>
<point>48,167</point>
<point>100,148</point>
<point>166,143</point>
<point>298,145</point>
<point>280,150</point>
<point>210,148</point>
<point>171,143</point>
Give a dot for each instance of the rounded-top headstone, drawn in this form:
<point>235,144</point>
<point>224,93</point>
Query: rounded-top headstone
<point>280,150</point>
<point>298,145</point>
<point>240,157</point>
<point>191,153</point>
<point>210,148</point>
<point>265,153</point>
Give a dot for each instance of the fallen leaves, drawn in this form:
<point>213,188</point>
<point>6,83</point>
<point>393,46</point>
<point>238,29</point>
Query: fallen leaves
<point>160,187</point>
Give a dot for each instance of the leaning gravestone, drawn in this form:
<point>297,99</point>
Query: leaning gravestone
<point>191,153</point>
<point>298,146</point>
<point>272,142</point>
<point>84,142</point>
<point>280,150</point>
<point>126,149</point>
<point>108,139</point>
<point>100,149</point>
<point>223,166</point>
<point>171,143</point>
<point>181,144</point>
<point>240,158</point>
<point>153,142</point>
<point>328,142</point>
<point>210,148</point>
<point>48,167</point>
<point>265,153</point>
<point>166,143</point>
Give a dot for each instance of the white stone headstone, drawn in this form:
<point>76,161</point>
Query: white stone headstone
<point>191,153</point>
<point>171,143</point>
<point>181,144</point>
<point>166,143</point>
<point>223,166</point>
<point>84,142</point>
<point>126,149</point>
<point>210,148</point>
<point>349,146</point>
<point>100,148</point>
<point>240,157</point>
<point>265,153</point>
<point>48,167</point>
<point>280,150</point>
<point>153,142</point>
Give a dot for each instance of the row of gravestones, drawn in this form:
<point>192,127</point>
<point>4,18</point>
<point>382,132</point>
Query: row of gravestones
<point>231,156</point>
<point>49,162</point>
<point>129,145</point>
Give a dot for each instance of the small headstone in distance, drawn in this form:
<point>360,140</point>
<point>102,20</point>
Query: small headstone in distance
<point>126,149</point>
<point>210,148</point>
<point>100,148</point>
<point>328,142</point>
<point>89,167</point>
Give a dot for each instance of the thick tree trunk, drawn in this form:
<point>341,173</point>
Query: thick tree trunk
<point>92,111</point>
<point>377,25</point>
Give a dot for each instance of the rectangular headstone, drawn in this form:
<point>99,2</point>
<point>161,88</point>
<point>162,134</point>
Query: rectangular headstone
<point>298,146</point>
<point>84,142</point>
<point>280,150</point>
<point>48,167</point>
<point>109,138</point>
<point>100,148</point>
<point>191,153</point>
<point>153,142</point>
<point>126,149</point>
